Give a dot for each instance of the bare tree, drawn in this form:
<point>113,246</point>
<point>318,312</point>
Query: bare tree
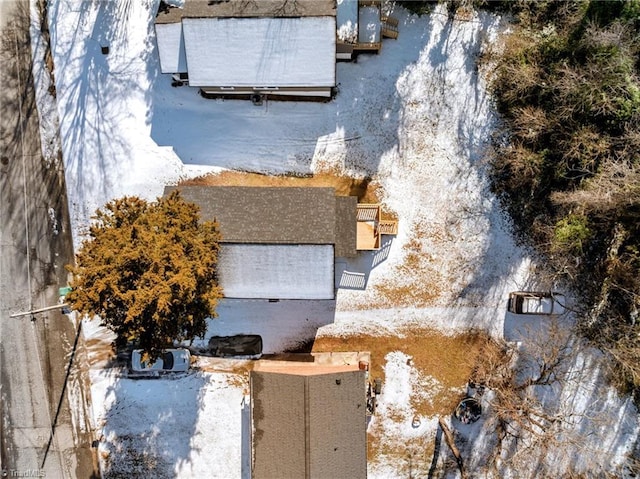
<point>520,380</point>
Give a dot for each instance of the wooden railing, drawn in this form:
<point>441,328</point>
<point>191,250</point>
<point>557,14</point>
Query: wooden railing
<point>388,227</point>
<point>389,27</point>
<point>370,227</point>
<point>368,46</point>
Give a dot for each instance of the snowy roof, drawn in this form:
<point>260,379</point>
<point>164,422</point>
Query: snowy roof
<point>369,26</point>
<point>244,8</point>
<point>259,271</point>
<point>309,426</point>
<point>347,20</point>
<point>171,48</point>
<point>278,215</point>
<point>264,52</point>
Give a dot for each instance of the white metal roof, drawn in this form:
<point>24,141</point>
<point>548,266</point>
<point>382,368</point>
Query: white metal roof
<point>265,52</point>
<point>171,48</point>
<point>276,271</point>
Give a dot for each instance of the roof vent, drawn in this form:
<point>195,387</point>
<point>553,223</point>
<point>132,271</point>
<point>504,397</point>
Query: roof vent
<point>256,99</point>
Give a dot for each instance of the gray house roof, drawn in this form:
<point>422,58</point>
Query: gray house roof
<point>271,215</point>
<point>308,424</point>
<point>247,9</point>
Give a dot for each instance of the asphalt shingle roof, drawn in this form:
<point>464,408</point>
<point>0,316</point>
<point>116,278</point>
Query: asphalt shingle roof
<point>309,425</point>
<point>278,215</point>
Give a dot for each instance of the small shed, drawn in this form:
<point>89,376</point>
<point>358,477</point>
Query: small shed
<point>308,422</point>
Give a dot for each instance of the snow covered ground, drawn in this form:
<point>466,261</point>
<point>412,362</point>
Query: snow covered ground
<point>416,118</point>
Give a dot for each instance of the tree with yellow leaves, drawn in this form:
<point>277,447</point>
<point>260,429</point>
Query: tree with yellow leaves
<point>149,271</point>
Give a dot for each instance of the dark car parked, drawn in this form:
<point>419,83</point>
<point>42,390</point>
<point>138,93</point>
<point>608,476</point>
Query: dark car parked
<point>240,346</point>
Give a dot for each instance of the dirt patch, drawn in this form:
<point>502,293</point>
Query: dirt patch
<point>419,280</point>
<point>239,380</point>
<point>447,359</point>
<point>409,456</point>
<point>224,365</point>
<point>447,362</point>
<point>366,189</point>
<point>99,351</point>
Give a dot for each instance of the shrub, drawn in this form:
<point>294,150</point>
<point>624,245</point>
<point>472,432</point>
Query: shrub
<point>571,233</point>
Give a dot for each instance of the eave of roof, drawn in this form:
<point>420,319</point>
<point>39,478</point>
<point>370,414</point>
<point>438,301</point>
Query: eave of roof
<point>346,221</point>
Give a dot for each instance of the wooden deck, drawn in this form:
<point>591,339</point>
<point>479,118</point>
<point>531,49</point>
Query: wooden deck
<point>368,216</point>
<point>388,29</point>
<point>367,47</point>
<point>370,227</point>
<point>367,236</point>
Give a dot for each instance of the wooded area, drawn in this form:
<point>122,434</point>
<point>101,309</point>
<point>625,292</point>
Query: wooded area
<point>566,163</point>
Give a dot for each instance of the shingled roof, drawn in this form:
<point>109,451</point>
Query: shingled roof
<point>278,215</point>
<point>309,422</point>
<point>247,9</point>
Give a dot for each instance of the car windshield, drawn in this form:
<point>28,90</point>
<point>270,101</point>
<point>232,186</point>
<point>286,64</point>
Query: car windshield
<point>167,359</point>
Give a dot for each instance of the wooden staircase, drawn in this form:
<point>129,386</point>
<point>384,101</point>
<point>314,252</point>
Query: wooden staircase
<point>370,227</point>
<point>388,227</point>
<point>368,212</point>
<point>390,27</point>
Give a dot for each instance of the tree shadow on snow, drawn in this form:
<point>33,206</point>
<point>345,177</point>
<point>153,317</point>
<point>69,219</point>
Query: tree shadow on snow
<point>474,217</point>
<point>149,427</point>
<point>97,153</point>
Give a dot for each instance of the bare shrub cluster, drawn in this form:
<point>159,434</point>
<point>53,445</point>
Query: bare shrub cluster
<point>530,392</point>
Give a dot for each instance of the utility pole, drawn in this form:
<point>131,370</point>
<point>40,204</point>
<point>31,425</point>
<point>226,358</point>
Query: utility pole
<point>41,310</point>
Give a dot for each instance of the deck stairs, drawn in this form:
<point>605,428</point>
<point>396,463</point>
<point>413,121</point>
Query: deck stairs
<point>390,27</point>
<point>368,212</point>
<point>388,227</point>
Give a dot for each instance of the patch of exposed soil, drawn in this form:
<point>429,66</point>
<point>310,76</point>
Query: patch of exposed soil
<point>449,360</point>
